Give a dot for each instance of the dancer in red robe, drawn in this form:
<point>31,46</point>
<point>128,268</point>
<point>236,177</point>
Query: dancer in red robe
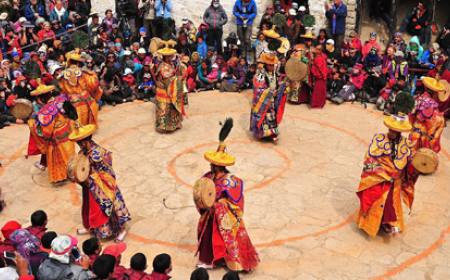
<point>319,72</point>
<point>221,231</point>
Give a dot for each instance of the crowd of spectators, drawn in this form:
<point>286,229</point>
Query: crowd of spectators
<point>36,253</point>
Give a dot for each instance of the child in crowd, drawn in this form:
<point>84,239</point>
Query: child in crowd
<point>38,223</point>
<point>92,248</point>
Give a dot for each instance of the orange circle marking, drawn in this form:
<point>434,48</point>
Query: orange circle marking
<point>171,168</point>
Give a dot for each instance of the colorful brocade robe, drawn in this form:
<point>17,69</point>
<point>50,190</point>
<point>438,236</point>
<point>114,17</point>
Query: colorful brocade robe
<point>387,179</point>
<point>83,89</point>
<point>268,105</point>
<point>49,130</point>
<point>169,99</point>
<point>221,230</point>
<point>104,210</point>
<point>427,126</point>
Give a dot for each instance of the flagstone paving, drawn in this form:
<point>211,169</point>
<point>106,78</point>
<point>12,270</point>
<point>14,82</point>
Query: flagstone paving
<point>300,200</point>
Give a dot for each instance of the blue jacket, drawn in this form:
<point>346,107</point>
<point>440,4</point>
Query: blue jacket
<point>202,50</point>
<point>337,26</point>
<point>241,11</point>
<point>29,12</point>
<point>159,8</point>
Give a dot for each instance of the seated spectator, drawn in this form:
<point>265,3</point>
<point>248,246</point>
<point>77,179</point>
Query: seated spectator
<point>138,265</point>
<point>202,48</point>
<point>192,72</point>
<point>29,247</point>
<point>231,275</point>
<point>183,47</point>
<point>355,41</point>
<point>260,45</point>
<point>59,13</point>
<point>398,42</point>
<point>332,53</point>
<point>8,228</point>
<point>427,60</point>
<point>38,223</point>
<point>162,266</point>
<point>103,267</point>
<point>116,251</point>
<point>203,82</point>
<point>352,89</point>
<point>46,33</point>
<point>188,28</point>
<point>146,89</point>
<point>199,274</point>
<point>231,46</point>
<point>334,86</point>
<point>46,241</point>
<point>372,59</point>
<point>60,263</point>
<point>92,248</point>
<point>414,49</point>
<point>143,38</point>
<point>372,43</point>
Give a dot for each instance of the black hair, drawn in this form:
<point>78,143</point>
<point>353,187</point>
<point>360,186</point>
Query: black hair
<point>103,266</point>
<point>199,274</point>
<point>138,262</point>
<point>47,238</point>
<point>38,218</point>
<point>161,262</point>
<point>90,246</point>
<point>231,275</point>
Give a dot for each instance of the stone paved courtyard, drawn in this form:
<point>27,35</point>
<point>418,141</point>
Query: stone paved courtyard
<point>300,195</point>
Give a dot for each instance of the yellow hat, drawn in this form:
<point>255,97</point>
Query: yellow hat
<point>220,157</point>
<point>82,132</point>
<point>445,94</point>
<point>74,55</point>
<point>271,33</point>
<point>42,89</point>
<point>308,35</point>
<point>399,123</point>
<point>433,84</point>
<point>285,45</point>
<point>268,58</point>
<point>167,51</point>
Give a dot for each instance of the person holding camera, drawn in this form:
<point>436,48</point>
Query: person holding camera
<point>61,263</point>
<point>245,12</point>
<point>164,22</point>
<point>147,9</point>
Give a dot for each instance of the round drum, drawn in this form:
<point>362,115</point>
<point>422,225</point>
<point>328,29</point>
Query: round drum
<point>295,69</point>
<point>426,161</point>
<point>22,109</point>
<point>204,193</point>
<point>78,168</point>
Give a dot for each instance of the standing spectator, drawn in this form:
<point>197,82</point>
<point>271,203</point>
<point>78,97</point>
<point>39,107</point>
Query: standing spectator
<point>164,21</point>
<point>215,17</point>
<point>147,8</point>
<point>319,72</point>
<point>128,9</point>
<point>336,14</point>
<point>94,31</point>
<point>108,21</point>
<point>417,22</point>
<point>245,12</point>
<point>34,10</point>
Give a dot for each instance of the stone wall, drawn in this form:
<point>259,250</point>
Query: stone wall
<point>194,10</point>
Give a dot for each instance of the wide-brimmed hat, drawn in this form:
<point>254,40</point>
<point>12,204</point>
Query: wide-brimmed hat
<point>75,56</point>
<point>82,132</point>
<point>437,86</point>
<point>167,51</point>
<point>271,33</point>
<point>220,157</point>
<point>268,58</point>
<point>42,89</point>
<point>308,35</point>
<point>399,123</point>
<point>445,94</point>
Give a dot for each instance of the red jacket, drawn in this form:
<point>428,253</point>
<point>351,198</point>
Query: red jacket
<point>37,231</point>
<point>137,275</point>
<point>159,276</point>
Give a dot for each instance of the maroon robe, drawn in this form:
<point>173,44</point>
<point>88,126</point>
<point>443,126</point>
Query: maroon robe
<point>319,72</point>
